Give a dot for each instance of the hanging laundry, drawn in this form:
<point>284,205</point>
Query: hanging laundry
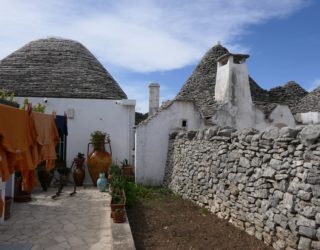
<point>17,137</point>
<point>62,126</point>
<point>47,137</point>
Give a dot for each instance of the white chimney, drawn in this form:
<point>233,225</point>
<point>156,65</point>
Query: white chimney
<point>154,90</point>
<point>232,81</point>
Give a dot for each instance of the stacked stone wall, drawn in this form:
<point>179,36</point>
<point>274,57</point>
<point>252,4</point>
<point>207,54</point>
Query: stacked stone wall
<point>266,183</point>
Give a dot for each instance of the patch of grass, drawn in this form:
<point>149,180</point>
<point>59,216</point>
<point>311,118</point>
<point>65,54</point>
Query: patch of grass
<point>204,211</point>
<point>136,192</point>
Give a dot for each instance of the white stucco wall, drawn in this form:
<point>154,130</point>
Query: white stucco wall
<point>282,114</point>
<point>232,84</point>
<point>152,140</point>
<point>114,117</point>
<point>308,117</point>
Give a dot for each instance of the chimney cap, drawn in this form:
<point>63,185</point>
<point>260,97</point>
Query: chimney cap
<point>236,56</point>
<point>154,85</point>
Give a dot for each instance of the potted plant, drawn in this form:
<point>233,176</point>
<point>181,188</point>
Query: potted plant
<point>117,184</point>
<point>118,201</point>
<point>119,215</point>
<point>127,169</point>
<point>78,172</point>
<point>115,170</point>
<point>99,160</point>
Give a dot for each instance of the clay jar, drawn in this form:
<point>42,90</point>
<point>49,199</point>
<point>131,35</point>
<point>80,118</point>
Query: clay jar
<point>98,161</point>
<point>78,173</point>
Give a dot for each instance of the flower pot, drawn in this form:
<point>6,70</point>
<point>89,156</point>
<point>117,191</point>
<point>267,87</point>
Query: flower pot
<point>98,161</point>
<point>127,170</point>
<point>119,216</point>
<point>78,172</point>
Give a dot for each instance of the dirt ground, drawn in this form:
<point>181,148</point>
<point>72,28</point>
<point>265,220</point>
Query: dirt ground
<point>169,222</point>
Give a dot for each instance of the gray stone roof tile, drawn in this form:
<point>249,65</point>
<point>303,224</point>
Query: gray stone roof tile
<point>57,68</point>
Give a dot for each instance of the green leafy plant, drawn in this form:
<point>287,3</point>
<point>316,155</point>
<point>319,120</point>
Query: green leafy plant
<point>39,108</point>
<point>116,198</point>
<point>117,183</point>
<point>114,169</point>
<point>6,96</point>
<point>98,138</point>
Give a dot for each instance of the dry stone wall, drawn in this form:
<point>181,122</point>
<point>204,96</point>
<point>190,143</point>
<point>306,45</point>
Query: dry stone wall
<point>267,183</point>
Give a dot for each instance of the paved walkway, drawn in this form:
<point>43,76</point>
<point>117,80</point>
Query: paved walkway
<point>77,222</point>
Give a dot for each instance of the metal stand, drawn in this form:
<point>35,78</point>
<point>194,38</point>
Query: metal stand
<point>61,182</point>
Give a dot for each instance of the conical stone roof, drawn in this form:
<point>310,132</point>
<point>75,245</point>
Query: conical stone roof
<point>290,94</point>
<point>57,68</point>
<point>309,103</point>
<point>200,87</point>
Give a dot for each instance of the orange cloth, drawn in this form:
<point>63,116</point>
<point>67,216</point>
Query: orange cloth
<point>28,179</point>
<point>16,137</point>
<point>4,169</point>
<point>47,137</point>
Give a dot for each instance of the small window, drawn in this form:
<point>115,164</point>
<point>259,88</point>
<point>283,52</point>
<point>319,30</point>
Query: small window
<point>184,123</point>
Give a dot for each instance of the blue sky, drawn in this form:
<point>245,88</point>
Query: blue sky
<point>162,41</point>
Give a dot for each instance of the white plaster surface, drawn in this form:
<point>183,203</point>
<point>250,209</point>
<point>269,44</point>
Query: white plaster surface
<point>282,114</point>
<point>154,98</point>
<point>152,140</point>
<point>116,117</point>
<point>232,92</point>
<point>309,117</point>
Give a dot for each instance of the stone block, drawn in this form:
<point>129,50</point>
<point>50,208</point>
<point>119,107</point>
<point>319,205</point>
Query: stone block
<point>275,164</point>
<point>308,232</point>
<point>279,245</point>
<point>271,133</point>
<point>315,245</point>
<point>304,243</point>
<point>303,195</point>
<point>288,201</point>
<point>316,191</point>
<point>318,218</point>
<point>244,162</point>
<point>261,193</point>
<point>287,132</point>
<point>303,221</point>
<point>309,134</point>
<point>269,172</point>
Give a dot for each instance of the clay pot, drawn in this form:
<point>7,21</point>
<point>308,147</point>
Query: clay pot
<point>127,170</point>
<point>78,172</point>
<point>119,216</point>
<point>98,162</point>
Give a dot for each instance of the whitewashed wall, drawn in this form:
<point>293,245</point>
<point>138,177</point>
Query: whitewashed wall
<point>282,114</point>
<point>308,117</point>
<point>152,140</point>
<point>114,117</point>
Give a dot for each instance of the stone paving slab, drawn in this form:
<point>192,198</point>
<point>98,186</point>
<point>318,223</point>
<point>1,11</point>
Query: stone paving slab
<point>77,222</point>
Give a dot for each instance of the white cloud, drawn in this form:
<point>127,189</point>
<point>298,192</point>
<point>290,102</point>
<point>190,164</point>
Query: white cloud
<point>142,35</point>
<point>315,84</point>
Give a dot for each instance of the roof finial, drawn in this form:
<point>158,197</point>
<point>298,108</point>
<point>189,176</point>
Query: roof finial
<point>218,42</point>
